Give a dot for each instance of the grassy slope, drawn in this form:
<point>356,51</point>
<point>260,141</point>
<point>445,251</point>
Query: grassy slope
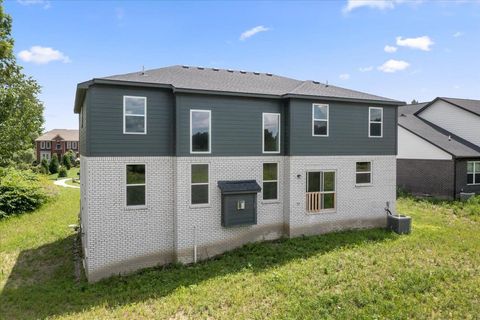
<point>432,273</point>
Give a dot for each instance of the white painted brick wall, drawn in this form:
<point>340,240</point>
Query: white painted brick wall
<point>120,238</point>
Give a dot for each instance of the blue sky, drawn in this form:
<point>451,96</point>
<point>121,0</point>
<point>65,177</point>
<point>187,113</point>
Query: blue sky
<point>433,47</point>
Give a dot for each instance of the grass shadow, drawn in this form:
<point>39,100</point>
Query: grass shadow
<point>42,282</point>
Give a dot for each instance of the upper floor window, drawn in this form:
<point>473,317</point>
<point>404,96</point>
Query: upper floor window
<point>375,122</point>
<point>200,131</point>
<point>134,115</point>
<point>42,145</point>
<point>320,115</point>
<point>136,185</point>
<point>59,146</point>
<point>48,145</point>
<point>69,145</point>
<point>199,184</point>
<point>473,172</point>
<point>271,132</point>
<point>363,172</point>
<point>74,145</point>
<point>270,181</point>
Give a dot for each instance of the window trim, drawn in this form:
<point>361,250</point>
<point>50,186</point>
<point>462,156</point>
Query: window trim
<point>42,145</point>
<point>370,172</point>
<point>58,144</point>
<point>209,131</point>
<point>277,181</point>
<point>370,122</point>
<point>69,145</point>
<point>200,205</point>
<point>475,171</point>
<point>327,119</point>
<point>140,206</point>
<point>279,132</point>
<point>48,145</point>
<point>135,115</point>
<point>335,192</point>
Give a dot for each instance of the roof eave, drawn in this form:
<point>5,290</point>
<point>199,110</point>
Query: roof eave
<point>385,102</point>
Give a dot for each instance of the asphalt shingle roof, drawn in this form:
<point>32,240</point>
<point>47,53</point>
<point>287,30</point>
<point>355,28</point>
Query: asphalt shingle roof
<point>65,134</point>
<point>468,104</point>
<point>213,79</point>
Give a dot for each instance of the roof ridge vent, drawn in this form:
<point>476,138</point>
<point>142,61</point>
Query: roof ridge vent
<point>200,68</point>
<point>185,67</point>
<point>269,74</point>
<point>229,70</point>
<point>256,73</point>
<point>316,82</point>
<point>215,69</point>
<point>243,71</point>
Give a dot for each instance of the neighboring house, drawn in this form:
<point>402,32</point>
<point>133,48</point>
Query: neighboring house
<point>439,148</point>
<point>56,141</point>
<point>183,163</point>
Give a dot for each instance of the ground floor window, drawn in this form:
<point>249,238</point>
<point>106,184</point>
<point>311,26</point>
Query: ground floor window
<point>473,172</point>
<point>321,192</point>
<point>199,184</point>
<point>136,185</point>
<point>363,172</point>
<point>270,181</point>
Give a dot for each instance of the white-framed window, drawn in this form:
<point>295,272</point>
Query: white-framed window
<point>320,120</point>
<point>42,145</point>
<point>363,172</point>
<point>473,172</point>
<point>270,181</point>
<point>321,191</point>
<point>74,145</point>
<point>200,175</point>
<point>69,145</point>
<point>59,146</point>
<point>134,115</point>
<point>200,131</point>
<point>135,185</point>
<point>48,144</point>
<point>375,122</point>
<point>271,132</point>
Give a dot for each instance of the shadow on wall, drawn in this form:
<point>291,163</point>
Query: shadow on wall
<point>42,282</point>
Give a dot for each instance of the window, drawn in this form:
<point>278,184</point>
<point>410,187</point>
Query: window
<point>59,146</point>
<point>473,172</point>
<point>134,115</point>
<point>320,191</point>
<point>271,132</point>
<point>74,145</point>
<point>320,114</point>
<point>42,145</point>
<point>270,181</point>
<point>363,173</point>
<point>199,188</point>
<point>375,122</point>
<point>136,185</point>
<point>200,125</point>
<point>69,145</point>
<point>48,145</point>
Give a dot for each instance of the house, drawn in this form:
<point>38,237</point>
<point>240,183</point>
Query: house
<point>439,148</point>
<point>179,164</point>
<point>56,141</point>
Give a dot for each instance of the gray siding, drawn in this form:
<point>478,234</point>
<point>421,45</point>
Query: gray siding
<point>105,123</point>
<point>348,130</point>
<point>82,125</point>
<point>461,178</point>
<point>426,177</point>
<point>236,123</point>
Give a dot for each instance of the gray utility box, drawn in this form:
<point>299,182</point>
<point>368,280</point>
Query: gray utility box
<point>399,224</point>
<point>239,202</point>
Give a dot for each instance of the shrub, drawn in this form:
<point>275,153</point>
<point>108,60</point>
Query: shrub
<point>66,162</point>
<point>54,165</point>
<point>77,162</point>
<point>20,191</point>
<point>44,167</point>
<point>62,173</point>
<point>71,155</point>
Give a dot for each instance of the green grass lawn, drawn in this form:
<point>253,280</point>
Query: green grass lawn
<point>368,274</point>
<point>72,173</point>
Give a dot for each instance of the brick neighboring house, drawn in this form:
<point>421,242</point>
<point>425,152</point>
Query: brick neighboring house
<point>439,148</point>
<point>184,163</point>
<point>56,141</point>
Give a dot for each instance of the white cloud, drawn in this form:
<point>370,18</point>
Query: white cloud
<point>365,69</point>
<point>458,34</point>
<point>42,55</point>
<point>344,76</point>
<point>422,43</point>
<point>390,49</point>
<point>392,66</point>
<point>376,4</point>
<point>45,3</point>
<point>251,32</point>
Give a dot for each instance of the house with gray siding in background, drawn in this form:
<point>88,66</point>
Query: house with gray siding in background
<point>180,164</point>
<point>439,148</point>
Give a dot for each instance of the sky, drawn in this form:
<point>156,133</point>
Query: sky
<point>397,49</point>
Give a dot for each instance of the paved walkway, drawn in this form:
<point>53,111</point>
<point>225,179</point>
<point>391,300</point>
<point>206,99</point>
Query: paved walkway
<point>62,183</point>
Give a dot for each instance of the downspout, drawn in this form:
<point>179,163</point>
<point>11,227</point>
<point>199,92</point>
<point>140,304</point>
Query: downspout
<point>194,244</point>
<point>454,177</point>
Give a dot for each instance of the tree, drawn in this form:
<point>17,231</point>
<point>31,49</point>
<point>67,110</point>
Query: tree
<point>67,163</point>
<point>414,102</point>
<point>54,165</point>
<point>44,167</point>
<point>21,113</point>
<point>70,154</point>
